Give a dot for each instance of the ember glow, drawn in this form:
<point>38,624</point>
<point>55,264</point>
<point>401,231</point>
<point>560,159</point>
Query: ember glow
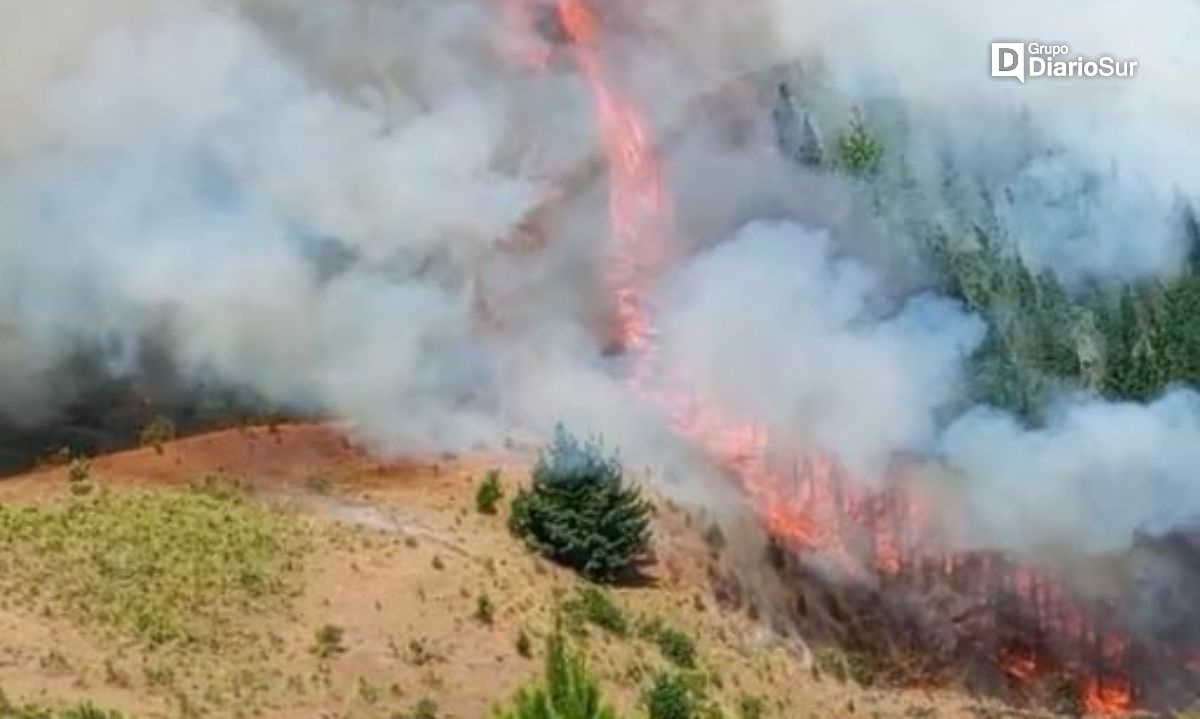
<point>804,498</point>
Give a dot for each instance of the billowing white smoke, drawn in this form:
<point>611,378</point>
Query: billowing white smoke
<point>772,325</point>
<point>1098,474</point>
<point>182,177</point>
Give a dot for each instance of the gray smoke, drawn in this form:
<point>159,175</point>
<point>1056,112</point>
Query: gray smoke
<point>309,199</point>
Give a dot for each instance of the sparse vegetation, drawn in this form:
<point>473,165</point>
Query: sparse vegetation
<point>568,691</point>
<point>845,665</point>
<point>86,710</point>
<point>420,653</point>
<point>580,513</point>
<point>489,493</point>
<point>593,605</point>
<point>159,567</point>
<point>319,483</point>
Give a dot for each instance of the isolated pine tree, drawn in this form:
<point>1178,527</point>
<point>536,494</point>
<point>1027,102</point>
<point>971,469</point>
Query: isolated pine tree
<point>569,691</point>
<point>580,513</point>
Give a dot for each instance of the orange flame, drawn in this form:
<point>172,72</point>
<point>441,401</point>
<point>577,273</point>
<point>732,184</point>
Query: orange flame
<point>1110,695</point>
<point>1019,662</point>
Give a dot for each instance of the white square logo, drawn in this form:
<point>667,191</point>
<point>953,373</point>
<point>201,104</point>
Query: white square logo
<point>1008,60</point>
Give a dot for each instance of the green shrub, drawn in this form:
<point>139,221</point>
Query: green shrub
<point>327,641</point>
<point>675,646</point>
<point>424,709</point>
<point>489,493</point>
<point>578,511</point>
<point>485,611</point>
<point>157,432</point>
<point>594,606</point>
<point>79,476</point>
<point>670,697</point>
<point>859,152</point>
<point>568,690</point>
<point>751,706</point>
<point>524,645</point>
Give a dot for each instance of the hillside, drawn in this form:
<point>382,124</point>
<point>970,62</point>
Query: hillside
<point>366,599</point>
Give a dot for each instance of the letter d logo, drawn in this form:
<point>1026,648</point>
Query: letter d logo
<point>1008,60</point>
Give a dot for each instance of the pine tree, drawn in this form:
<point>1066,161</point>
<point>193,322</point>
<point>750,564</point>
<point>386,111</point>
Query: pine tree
<point>579,512</point>
<point>859,152</point>
<point>569,691</point>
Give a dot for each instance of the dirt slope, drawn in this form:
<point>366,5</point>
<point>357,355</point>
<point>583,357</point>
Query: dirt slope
<point>397,559</point>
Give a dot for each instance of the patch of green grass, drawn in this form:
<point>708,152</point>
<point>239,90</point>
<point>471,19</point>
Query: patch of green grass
<point>595,606</point>
<point>159,567</point>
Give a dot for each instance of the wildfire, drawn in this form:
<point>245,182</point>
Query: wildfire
<point>1109,695</point>
<point>807,501</point>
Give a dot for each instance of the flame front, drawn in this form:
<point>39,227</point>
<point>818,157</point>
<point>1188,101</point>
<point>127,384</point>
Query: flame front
<point>807,502</point>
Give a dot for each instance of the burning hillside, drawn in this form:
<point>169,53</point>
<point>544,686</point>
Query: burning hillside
<point>1011,620</point>
<point>893,307</point>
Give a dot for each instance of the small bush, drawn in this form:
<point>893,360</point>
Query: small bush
<point>751,706</point>
<point>158,432</point>
<point>675,646</point>
<point>421,654</point>
<point>524,645</point>
<point>485,611</point>
<point>79,476</point>
<point>489,493</point>
<point>715,539</point>
<point>328,641</point>
<point>424,709</point>
<point>594,606</point>
<point>579,513</point>
<point>670,697</point>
